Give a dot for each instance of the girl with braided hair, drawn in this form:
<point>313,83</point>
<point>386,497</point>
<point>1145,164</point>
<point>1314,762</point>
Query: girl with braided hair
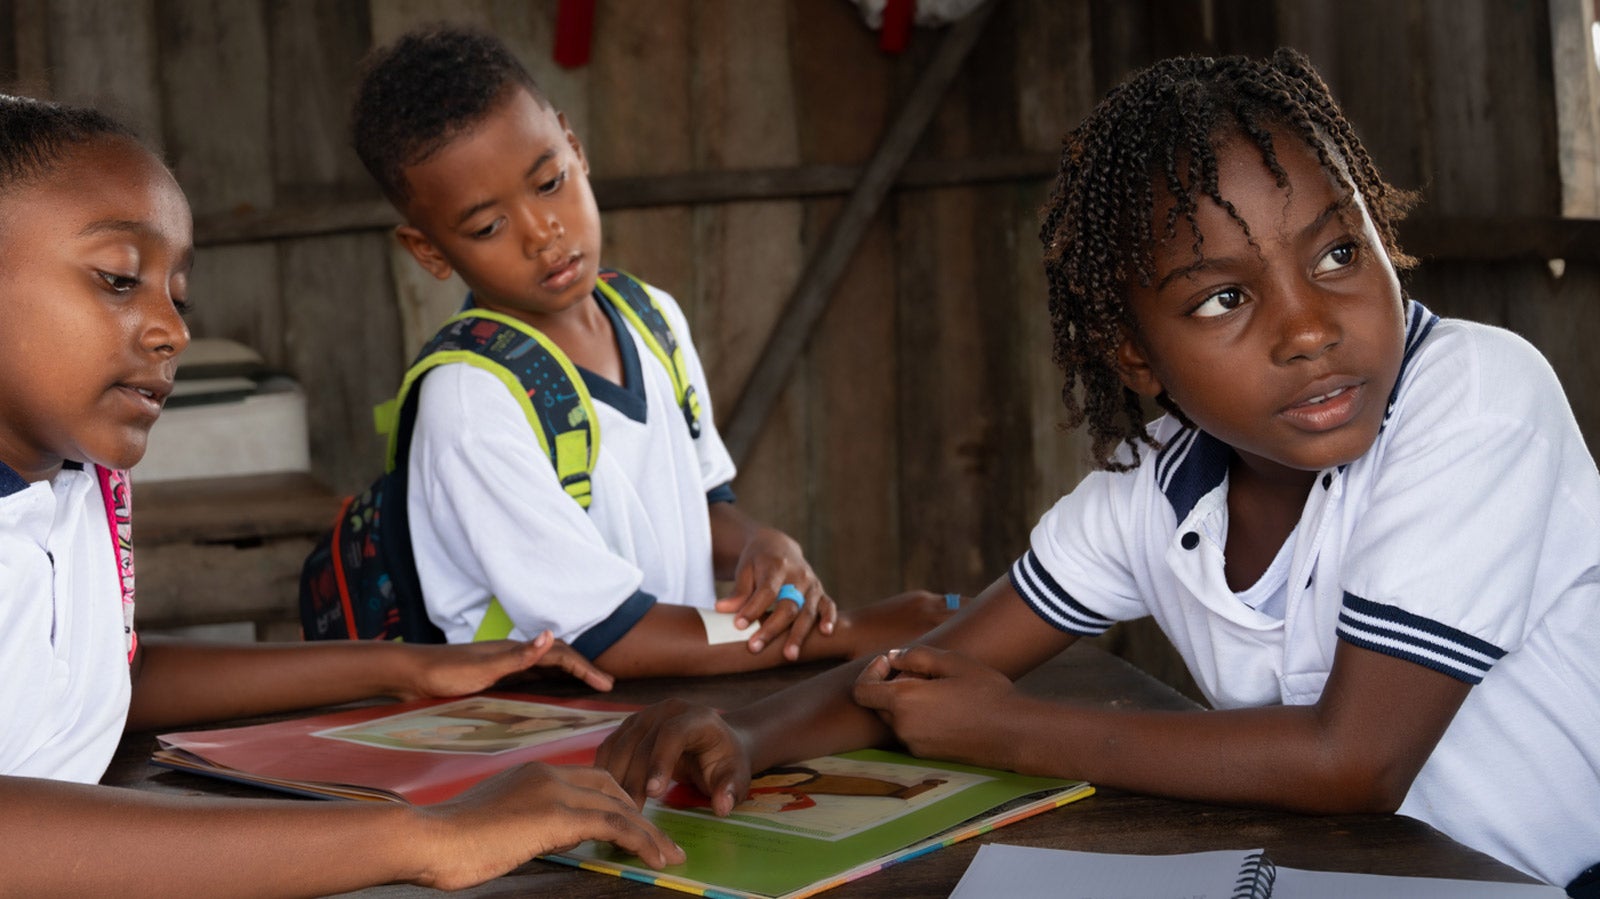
<point>1372,533</point>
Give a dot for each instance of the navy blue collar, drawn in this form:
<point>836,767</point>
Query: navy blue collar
<point>1193,463</point>
<point>10,481</point>
<point>628,397</point>
<point>1419,324</point>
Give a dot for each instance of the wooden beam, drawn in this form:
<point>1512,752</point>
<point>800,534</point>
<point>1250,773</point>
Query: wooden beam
<point>280,222</point>
<point>1429,237</point>
<point>801,182</point>
<point>688,188</point>
<point>1501,239</point>
<point>793,328</point>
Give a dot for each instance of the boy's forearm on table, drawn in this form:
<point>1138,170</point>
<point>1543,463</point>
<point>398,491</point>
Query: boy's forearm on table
<point>671,640</point>
<point>843,644</point>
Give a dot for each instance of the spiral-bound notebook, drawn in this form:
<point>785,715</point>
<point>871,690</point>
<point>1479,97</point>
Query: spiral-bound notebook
<point>1026,872</point>
<point>1023,872</point>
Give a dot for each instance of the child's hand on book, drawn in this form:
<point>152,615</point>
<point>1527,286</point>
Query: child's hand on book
<point>678,740</point>
<point>774,584</point>
<point>940,704</point>
<point>460,669</point>
<point>531,810</point>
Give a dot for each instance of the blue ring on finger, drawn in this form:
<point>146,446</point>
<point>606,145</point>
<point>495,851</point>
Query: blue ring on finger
<point>792,593</point>
<point>952,600</point>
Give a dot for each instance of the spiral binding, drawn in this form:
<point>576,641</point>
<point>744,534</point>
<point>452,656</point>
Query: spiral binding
<point>1256,877</point>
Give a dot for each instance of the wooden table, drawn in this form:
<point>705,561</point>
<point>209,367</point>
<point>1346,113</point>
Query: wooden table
<point>1110,821</point>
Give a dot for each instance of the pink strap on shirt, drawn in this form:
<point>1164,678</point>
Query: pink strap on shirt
<point>115,490</point>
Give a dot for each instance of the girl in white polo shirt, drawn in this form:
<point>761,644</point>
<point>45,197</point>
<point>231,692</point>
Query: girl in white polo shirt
<point>93,279</point>
<point>1372,533</point>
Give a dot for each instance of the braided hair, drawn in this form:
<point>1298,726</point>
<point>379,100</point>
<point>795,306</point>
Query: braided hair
<point>35,134</point>
<point>1155,135</point>
<point>424,90</point>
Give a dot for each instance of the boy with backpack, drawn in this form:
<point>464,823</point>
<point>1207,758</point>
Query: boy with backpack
<point>520,516</point>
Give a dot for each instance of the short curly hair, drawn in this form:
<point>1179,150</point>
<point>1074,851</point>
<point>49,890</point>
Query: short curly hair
<point>1156,134</point>
<point>35,134</point>
<point>418,93</point>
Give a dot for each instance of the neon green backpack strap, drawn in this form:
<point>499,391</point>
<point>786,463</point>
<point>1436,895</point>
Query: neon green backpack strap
<point>545,384</point>
<point>496,624</point>
<point>636,304</point>
<point>543,380</point>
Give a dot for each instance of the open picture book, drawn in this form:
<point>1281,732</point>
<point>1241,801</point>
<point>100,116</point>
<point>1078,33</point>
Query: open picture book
<point>804,827</point>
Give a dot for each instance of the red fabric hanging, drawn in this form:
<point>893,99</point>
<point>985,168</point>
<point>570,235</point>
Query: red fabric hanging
<point>574,32</point>
<point>896,31</point>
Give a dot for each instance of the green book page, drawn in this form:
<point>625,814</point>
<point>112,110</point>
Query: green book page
<point>808,824</point>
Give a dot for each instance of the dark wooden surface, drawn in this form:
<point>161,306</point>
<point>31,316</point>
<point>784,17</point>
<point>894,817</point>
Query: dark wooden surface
<point>1110,821</point>
<point>217,510</point>
<point>228,551</point>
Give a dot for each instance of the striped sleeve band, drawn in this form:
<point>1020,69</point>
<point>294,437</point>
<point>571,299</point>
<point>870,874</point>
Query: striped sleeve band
<point>1042,594</point>
<point>1396,632</point>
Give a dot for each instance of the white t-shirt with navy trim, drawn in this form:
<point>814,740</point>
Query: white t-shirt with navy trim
<point>488,516</point>
<point>1467,539</point>
<point>65,694</point>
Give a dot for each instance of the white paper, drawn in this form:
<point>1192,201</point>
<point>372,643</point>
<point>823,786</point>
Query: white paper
<point>720,629</point>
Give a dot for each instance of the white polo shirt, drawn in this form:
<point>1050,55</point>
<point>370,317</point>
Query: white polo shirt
<point>64,697</point>
<point>488,516</point>
<point>1467,539</point>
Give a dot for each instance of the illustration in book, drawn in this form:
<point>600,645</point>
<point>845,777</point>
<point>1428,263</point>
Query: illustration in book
<point>830,798</point>
<point>481,724</point>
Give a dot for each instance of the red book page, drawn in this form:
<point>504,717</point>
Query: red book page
<point>422,751</point>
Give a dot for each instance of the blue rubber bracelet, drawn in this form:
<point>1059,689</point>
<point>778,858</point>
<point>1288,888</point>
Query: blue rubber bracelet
<point>952,600</point>
<point>792,594</point>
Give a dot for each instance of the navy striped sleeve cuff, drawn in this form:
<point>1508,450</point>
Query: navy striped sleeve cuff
<point>1042,594</point>
<point>722,493</point>
<point>596,640</point>
<point>1396,632</point>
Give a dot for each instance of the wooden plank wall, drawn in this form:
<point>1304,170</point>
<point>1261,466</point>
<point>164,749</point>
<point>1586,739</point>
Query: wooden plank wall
<point>919,438</point>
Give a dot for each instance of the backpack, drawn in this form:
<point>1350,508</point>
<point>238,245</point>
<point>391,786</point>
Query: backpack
<point>115,492</point>
<point>360,580</point>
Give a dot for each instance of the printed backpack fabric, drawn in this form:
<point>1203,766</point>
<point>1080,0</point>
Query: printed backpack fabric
<point>360,581</point>
<point>116,491</point>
